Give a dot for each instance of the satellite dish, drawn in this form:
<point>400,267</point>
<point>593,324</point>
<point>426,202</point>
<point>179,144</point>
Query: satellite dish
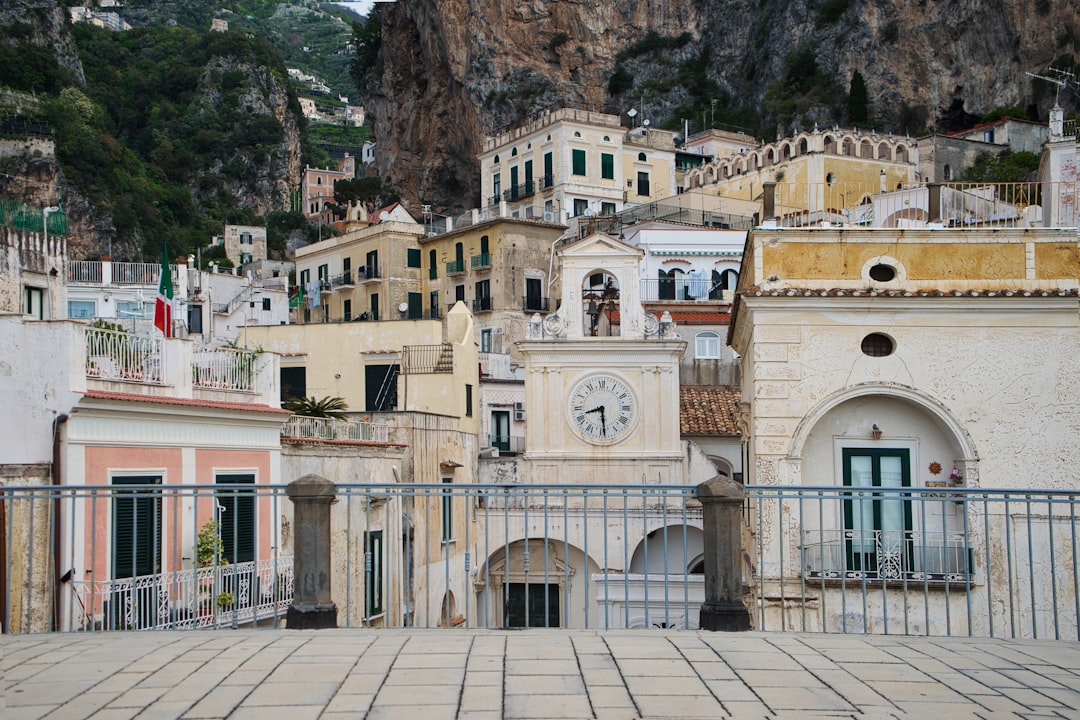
<point>645,122</point>
<point>403,307</point>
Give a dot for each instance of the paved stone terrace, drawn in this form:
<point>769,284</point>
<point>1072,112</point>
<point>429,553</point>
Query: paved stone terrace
<point>477,674</point>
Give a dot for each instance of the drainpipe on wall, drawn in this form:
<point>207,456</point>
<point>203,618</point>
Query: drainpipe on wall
<point>58,423</point>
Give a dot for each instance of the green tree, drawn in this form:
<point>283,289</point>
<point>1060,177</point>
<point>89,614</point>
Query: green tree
<point>1004,167</point>
<point>367,37</point>
<point>858,104</point>
<point>326,407</point>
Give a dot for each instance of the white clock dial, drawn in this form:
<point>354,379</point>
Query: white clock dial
<point>602,408</point>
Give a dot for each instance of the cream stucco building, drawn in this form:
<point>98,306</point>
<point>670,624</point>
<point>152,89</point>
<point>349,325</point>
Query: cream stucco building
<point>925,357</point>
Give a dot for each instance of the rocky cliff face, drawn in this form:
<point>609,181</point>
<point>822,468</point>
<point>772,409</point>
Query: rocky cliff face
<point>455,70</point>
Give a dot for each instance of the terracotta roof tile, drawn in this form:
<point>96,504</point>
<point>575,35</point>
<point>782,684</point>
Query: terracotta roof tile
<point>187,402</point>
<point>708,410</point>
<point>758,291</point>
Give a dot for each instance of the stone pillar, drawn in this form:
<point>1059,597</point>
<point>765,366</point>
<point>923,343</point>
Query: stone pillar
<point>722,501</point>
<point>311,607</point>
<point>933,209</point>
<point>768,201</point>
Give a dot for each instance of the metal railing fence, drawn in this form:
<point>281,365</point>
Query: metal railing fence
<point>915,560</point>
<point>314,428</point>
<point>140,555</point>
<point>119,355</point>
<point>901,560</point>
<point>223,369</point>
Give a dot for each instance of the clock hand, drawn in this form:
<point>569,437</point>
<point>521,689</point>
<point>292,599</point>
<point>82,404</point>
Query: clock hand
<point>603,424</point>
<point>598,409</point>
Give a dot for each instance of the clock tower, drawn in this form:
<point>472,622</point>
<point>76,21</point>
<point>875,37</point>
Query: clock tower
<point>602,376</point>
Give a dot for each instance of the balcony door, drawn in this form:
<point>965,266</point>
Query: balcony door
<point>500,429</point>
<point>136,552</point>
<point>533,293</point>
<point>877,526</point>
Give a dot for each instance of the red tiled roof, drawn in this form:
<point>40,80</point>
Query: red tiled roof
<point>186,402</point>
<point>324,441</point>
<point>708,410</point>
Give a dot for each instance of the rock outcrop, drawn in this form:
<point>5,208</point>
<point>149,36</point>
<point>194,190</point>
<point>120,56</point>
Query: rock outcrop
<point>456,70</point>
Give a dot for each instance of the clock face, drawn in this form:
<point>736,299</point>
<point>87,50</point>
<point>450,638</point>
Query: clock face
<point>602,408</point>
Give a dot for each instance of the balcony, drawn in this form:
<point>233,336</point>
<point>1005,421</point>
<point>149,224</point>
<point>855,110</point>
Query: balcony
<point>230,374</point>
<point>343,280</point>
<point>427,359</point>
<point>481,304</point>
<point>519,192</point>
<point>508,444</point>
<point>313,428</point>
<point>885,555</point>
<point>107,273</point>
<point>535,303</point>
<point>681,289</point>
<point>367,273</point>
<point>455,267</point>
<point>480,262</point>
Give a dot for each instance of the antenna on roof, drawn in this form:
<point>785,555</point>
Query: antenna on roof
<point>1061,78</point>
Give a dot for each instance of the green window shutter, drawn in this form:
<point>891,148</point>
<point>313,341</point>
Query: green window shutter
<point>414,257</point>
<point>579,162</point>
<point>238,518</point>
<point>373,572</point>
<point>607,166</point>
<point>136,529</point>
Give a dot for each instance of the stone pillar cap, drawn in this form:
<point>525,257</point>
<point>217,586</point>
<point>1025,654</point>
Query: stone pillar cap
<point>311,486</point>
<point>720,488</point>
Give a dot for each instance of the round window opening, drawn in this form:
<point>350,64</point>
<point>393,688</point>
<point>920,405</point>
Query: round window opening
<point>883,273</point>
<point>878,345</point>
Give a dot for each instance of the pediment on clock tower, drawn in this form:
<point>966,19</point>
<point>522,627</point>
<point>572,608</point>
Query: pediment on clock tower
<point>600,275</point>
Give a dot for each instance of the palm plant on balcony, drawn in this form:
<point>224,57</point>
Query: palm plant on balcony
<point>325,407</point>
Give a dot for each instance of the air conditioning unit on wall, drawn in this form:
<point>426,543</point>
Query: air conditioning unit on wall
<point>519,411</point>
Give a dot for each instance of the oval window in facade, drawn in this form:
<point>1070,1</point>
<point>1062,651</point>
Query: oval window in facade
<point>878,345</point>
<point>882,272</point>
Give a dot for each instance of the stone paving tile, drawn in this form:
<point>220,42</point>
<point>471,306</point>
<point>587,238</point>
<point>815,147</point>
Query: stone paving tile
<point>545,685</point>
<point>665,685</point>
<point>610,696</point>
<point>137,697</point>
<point>593,676</point>
<point>28,712</point>
<point>410,694</point>
<point>915,691</point>
<point>399,712</point>
<point>484,678</point>
<point>481,698</point>
<point>219,702</point>
<point>81,706</point>
<point>774,660</point>
<point>441,660</point>
<point>308,693</point>
<point>616,713</point>
<point>531,706</point>
<point>289,671</point>
<point>116,713</point>
<point>1034,699</point>
<point>803,698</point>
<point>164,710</point>
<point>889,671</point>
<point>281,712</point>
<point>678,706</point>
<point>668,668</point>
<point>778,678</point>
<point>355,704</point>
<point>541,667</point>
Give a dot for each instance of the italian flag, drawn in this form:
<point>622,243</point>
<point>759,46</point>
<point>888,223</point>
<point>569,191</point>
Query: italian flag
<point>163,307</point>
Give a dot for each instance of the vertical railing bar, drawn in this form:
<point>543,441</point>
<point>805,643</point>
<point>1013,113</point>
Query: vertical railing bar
<point>547,599</point>
<point>821,557</point>
<point>780,545</point>
<point>664,520</point>
<point>565,615</point>
<point>446,554</point>
<point>276,529</point>
<point>626,558</point>
<point>645,548</point>
<point>469,503</point>
<point>236,540</point>
<point>1008,556</point>
<point>945,575</point>
<point>1031,569</point>
<point>487,559</point>
<point>685,564</point>
<point>427,557</point>
<point>177,561</point>
<point>1075,574</point>
<point>1053,563</point>
<point>964,548</point>
<point>761,556</point>
<point>907,542</point>
<point>7,498</point>
<point>607,565</point>
<point>73,583</point>
<point>585,525</point>
<point>527,557</point>
<point>28,582</point>
<point>506,557</point>
<point>349,547</point>
<point>986,559</point>
<point>802,563</point>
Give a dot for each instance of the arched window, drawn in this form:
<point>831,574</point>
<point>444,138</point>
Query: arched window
<point>729,279</point>
<point>318,180</point>
<point>901,153</point>
<point>866,150</point>
<point>496,159</point>
<point>849,148</point>
<point>830,145</point>
<point>946,173</point>
<point>641,157</point>
<point>513,153</point>
<point>804,147</point>
<point>883,152</point>
<point>706,346</point>
<point>576,134</point>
